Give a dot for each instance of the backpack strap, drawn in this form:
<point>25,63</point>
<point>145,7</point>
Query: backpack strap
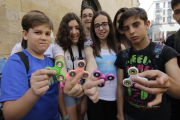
<point>125,57</point>
<point>119,46</point>
<point>177,41</point>
<point>157,58</point>
<point>24,60</point>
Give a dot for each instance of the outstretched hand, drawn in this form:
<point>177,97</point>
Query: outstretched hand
<point>90,88</point>
<point>158,84</point>
<point>72,88</point>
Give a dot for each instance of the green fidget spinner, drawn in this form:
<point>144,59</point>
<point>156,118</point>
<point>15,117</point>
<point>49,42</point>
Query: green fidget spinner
<point>59,64</point>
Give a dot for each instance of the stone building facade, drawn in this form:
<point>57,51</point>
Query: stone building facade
<point>12,11</point>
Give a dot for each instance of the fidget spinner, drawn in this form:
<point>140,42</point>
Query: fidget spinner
<point>72,73</point>
<point>99,75</point>
<point>80,68</point>
<point>133,72</point>
<point>59,64</point>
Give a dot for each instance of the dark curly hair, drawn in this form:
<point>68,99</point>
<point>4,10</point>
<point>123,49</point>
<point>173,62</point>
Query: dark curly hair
<point>111,39</point>
<point>62,37</point>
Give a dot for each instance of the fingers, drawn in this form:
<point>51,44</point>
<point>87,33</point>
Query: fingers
<point>44,72</point>
<point>150,90</point>
<point>40,80</point>
<point>92,82</point>
<point>152,83</point>
<point>156,75</point>
<point>156,101</point>
<point>73,81</point>
<point>76,91</point>
<point>149,74</point>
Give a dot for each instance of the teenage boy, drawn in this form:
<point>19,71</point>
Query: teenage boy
<point>141,55</point>
<point>31,94</point>
<point>175,103</point>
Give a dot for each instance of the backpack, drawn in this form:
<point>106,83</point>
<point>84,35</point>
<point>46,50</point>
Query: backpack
<point>157,58</point>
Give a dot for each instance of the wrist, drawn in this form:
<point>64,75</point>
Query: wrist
<point>65,118</point>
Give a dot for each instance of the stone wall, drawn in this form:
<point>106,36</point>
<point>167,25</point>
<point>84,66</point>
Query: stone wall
<point>12,11</point>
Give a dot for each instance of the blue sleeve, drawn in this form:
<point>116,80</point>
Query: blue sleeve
<point>14,81</point>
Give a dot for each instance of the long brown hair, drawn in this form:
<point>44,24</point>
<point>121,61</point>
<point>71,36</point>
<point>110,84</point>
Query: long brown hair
<point>111,39</point>
<point>62,37</point>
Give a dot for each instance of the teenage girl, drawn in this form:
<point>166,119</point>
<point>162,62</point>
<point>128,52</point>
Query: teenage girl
<point>70,48</point>
<point>120,36</point>
<point>86,17</point>
<point>102,55</point>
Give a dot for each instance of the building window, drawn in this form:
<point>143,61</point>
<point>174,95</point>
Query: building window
<point>157,5</point>
<point>169,4</point>
<point>169,11</point>
<point>164,12</point>
<point>157,20</point>
<point>164,4</point>
<point>169,19</point>
<point>157,11</point>
<point>163,19</point>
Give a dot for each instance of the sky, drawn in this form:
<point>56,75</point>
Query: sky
<point>146,3</point>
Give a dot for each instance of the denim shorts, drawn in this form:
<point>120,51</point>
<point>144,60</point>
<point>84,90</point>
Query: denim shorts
<point>70,101</point>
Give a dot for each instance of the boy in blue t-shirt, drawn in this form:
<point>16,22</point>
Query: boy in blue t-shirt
<point>32,95</point>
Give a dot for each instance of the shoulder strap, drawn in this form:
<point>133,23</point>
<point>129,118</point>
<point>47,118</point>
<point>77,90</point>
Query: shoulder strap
<point>24,60</point>
<point>72,56</point>
<point>157,59</point>
<point>125,57</point>
<point>177,41</point>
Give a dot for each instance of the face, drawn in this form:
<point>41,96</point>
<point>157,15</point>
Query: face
<point>38,39</point>
<point>135,29</point>
<point>86,18</point>
<point>117,23</point>
<point>101,27</point>
<point>74,31</point>
<point>176,14</point>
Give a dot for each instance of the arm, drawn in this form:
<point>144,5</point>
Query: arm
<point>61,105</point>
<point>120,94</point>
<point>19,108</point>
<point>91,62</point>
<point>90,86</point>
<point>172,69</point>
<point>84,105</point>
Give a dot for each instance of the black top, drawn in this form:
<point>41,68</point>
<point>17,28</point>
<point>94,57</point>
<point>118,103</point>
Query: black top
<point>135,100</point>
<point>175,103</point>
<point>170,41</point>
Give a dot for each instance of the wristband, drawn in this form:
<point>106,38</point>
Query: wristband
<point>67,117</point>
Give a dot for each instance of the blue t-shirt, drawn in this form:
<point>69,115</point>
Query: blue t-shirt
<point>106,65</point>
<point>15,83</point>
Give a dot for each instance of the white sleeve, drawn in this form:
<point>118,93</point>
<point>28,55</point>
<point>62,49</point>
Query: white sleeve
<point>57,51</point>
<point>16,48</point>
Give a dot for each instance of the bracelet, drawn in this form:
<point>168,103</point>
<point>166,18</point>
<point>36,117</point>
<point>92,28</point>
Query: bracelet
<point>64,118</point>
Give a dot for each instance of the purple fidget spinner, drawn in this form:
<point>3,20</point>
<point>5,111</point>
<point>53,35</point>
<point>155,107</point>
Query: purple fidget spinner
<point>99,75</point>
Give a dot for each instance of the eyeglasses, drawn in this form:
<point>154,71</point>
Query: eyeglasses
<point>85,16</point>
<point>104,25</point>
